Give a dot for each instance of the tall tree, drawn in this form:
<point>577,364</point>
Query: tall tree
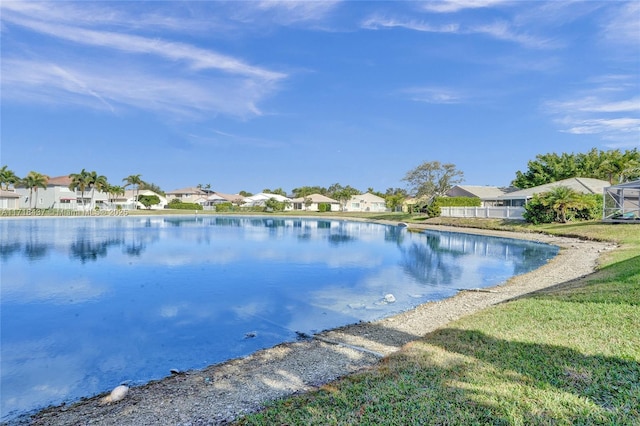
<point>114,191</point>
<point>98,182</point>
<point>277,191</point>
<point>432,179</point>
<point>135,181</point>
<point>304,191</point>
<point>341,193</point>
<point>614,166</point>
<point>80,182</point>
<point>34,181</point>
<point>7,177</point>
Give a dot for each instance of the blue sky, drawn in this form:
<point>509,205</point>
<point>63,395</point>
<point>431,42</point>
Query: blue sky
<point>281,94</point>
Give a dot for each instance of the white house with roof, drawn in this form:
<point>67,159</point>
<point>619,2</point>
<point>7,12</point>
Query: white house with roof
<point>9,199</point>
<point>191,194</point>
<point>128,200</point>
<point>578,184</point>
<point>57,195</point>
<point>258,200</point>
<point>488,194</point>
<point>214,198</point>
<point>367,202</point>
<point>312,203</point>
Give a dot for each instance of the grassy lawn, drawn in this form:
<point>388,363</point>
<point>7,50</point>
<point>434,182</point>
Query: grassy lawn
<point>567,355</point>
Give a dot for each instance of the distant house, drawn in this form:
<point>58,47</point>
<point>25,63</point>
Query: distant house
<point>366,203</point>
<point>581,185</point>
<point>488,194</point>
<point>218,198</point>
<point>57,195</point>
<point>312,203</point>
<point>128,200</point>
<point>9,199</point>
<point>190,194</point>
<point>258,200</point>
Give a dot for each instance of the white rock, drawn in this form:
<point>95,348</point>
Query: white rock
<point>117,394</point>
<point>389,298</point>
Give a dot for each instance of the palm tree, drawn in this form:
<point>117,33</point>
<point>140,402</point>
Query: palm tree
<point>98,182</point>
<point>561,199</point>
<point>35,180</point>
<point>80,181</point>
<point>114,191</point>
<point>7,177</point>
<point>136,181</point>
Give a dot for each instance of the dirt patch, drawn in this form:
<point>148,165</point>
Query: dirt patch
<point>221,393</point>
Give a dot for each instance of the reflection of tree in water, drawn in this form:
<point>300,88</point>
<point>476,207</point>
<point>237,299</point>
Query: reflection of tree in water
<point>340,238</point>
<point>85,250</point>
<point>394,234</point>
<point>7,250</point>
<point>34,250</point>
<point>428,263</point>
<point>134,249</point>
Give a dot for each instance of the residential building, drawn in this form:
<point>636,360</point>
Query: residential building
<point>259,200</point>
<point>488,194</point>
<point>190,194</point>
<point>9,199</point>
<point>581,185</point>
<point>312,203</point>
<point>57,195</point>
<point>367,202</point>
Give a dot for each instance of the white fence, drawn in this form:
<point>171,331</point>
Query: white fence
<point>514,213</point>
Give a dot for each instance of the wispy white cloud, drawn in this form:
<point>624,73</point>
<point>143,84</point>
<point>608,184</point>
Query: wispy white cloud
<point>450,6</point>
<point>95,87</point>
<point>604,111</point>
<point>434,95</point>
<point>500,30</point>
<point>622,24</point>
<point>129,69</point>
<point>197,58</point>
<point>375,22</point>
<point>287,11</point>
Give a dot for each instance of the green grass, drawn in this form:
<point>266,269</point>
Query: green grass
<point>566,355</point>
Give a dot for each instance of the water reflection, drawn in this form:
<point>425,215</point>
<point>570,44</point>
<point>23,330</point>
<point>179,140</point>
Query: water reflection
<point>106,300</point>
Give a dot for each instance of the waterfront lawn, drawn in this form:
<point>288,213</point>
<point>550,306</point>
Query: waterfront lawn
<point>567,355</point>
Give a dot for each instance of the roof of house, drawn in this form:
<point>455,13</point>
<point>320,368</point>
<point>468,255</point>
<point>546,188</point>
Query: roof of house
<point>8,194</point>
<point>316,198</point>
<point>368,197</point>
<point>482,192</point>
<point>228,197</point>
<point>582,185</point>
<point>59,181</point>
<point>263,196</point>
<point>188,190</point>
<point>632,184</point>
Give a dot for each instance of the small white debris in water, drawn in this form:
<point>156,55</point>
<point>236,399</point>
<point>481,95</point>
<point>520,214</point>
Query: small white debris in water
<point>389,298</point>
<point>117,394</point>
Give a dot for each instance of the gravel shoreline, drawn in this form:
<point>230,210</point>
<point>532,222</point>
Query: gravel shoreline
<point>223,392</point>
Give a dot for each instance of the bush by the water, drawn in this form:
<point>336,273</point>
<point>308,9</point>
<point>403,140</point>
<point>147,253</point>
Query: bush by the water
<point>177,204</point>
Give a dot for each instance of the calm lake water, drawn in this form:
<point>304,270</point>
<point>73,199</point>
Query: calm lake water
<point>89,303</point>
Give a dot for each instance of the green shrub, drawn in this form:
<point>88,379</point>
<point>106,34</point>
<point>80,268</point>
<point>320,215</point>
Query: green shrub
<point>324,207</point>
<point>177,204</point>
<point>458,201</point>
<point>224,207</point>
<point>537,211</point>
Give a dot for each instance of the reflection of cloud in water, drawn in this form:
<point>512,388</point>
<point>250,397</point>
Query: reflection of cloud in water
<point>51,289</point>
<point>41,376</point>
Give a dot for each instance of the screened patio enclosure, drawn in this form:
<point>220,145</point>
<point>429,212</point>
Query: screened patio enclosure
<point>622,203</point>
